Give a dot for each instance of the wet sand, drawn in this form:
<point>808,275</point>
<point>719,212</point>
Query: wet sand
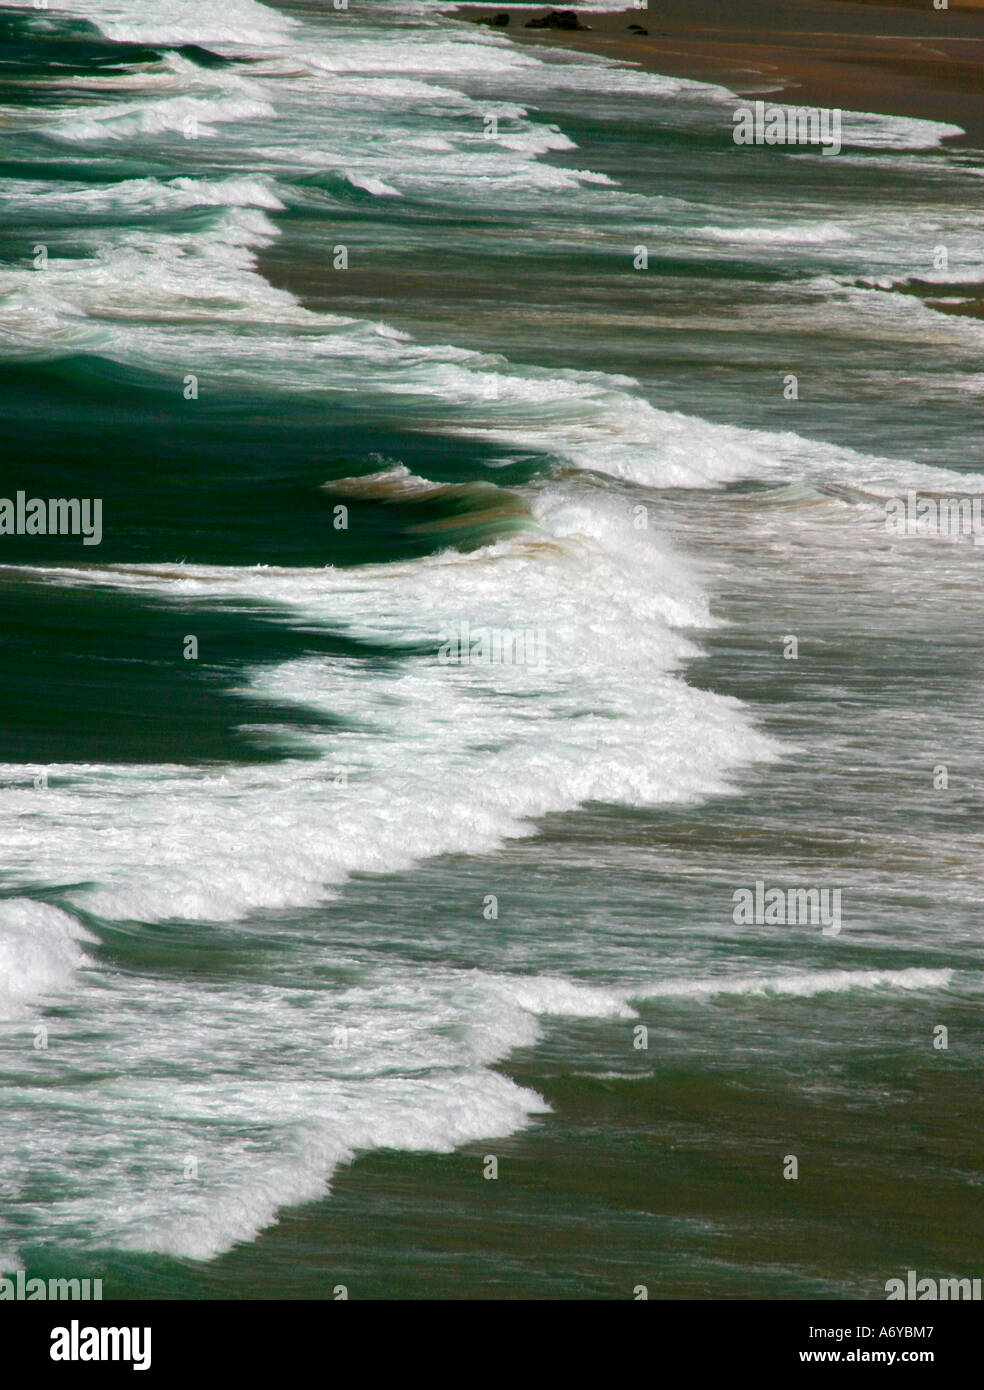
<point>903,60</point>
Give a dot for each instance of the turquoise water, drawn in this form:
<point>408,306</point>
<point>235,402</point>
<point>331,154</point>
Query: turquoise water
<point>297,932</point>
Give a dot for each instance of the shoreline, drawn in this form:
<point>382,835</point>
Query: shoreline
<point>856,55</point>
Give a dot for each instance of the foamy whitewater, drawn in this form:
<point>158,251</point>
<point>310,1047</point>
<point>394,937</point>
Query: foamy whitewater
<point>244,970</point>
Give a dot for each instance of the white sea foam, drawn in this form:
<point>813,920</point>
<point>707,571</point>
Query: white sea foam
<point>784,234</point>
<point>872,130</point>
<point>231,24</point>
<point>239,1100</point>
<point>40,953</point>
<point>268,1092</point>
<point>147,194</point>
<point>438,758</point>
<point>547,996</point>
<point>800,984</point>
<point>175,115</point>
<point>372,185</point>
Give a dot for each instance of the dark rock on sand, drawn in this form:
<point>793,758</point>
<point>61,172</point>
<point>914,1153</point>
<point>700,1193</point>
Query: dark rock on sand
<point>557,19</point>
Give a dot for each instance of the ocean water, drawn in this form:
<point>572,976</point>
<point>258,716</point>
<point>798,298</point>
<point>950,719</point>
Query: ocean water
<point>338,313</point>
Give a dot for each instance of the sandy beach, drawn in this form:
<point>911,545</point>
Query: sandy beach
<point>896,59</point>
